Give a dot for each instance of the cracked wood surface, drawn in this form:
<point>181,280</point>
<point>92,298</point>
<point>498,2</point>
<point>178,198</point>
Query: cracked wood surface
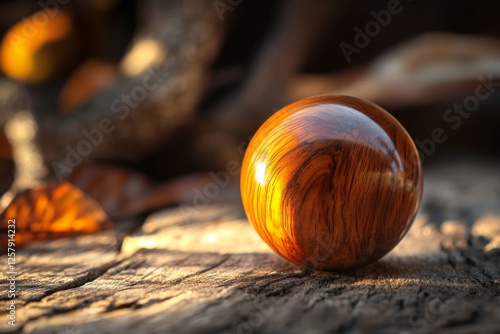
<point>205,270</point>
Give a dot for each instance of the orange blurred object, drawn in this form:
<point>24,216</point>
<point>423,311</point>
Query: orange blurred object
<point>7,167</point>
<point>52,211</point>
<point>86,80</point>
<point>39,47</point>
<point>5,147</point>
<point>123,192</point>
<point>116,189</point>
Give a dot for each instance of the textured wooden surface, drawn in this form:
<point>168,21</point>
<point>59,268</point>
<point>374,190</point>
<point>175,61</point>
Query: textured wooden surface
<point>331,182</point>
<point>205,270</point>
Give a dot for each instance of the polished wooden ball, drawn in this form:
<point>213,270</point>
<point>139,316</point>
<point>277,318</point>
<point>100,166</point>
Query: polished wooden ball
<point>331,182</point>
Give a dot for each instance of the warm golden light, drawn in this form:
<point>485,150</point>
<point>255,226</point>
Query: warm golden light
<point>260,172</point>
<point>53,211</point>
<point>143,55</point>
<point>25,52</point>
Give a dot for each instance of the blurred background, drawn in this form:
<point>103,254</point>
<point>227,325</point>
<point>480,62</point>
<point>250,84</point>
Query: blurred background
<point>147,104</point>
<point>169,88</point>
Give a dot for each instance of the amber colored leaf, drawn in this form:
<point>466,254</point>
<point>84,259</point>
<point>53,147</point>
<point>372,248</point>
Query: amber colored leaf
<point>123,192</point>
<point>52,211</point>
<point>84,82</point>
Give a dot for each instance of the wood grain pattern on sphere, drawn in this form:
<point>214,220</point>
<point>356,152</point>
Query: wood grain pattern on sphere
<point>331,182</point>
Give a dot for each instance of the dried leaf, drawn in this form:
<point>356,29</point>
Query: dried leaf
<point>123,192</point>
<point>115,188</point>
<point>84,82</point>
<point>52,211</point>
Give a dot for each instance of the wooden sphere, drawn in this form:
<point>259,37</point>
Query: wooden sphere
<point>331,182</point>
